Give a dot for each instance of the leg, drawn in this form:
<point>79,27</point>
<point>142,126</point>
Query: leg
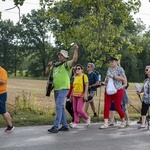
<point>143,113</point>
<point>60,112</point>
<point>7,118</point>
<point>80,110</point>
<point>117,102</point>
<point>5,114</point>
<point>86,106</point>
<point>107,105</point>
<point>93,108</point>
<point>92,93</point>
<point>76,115</point>
<point>112,113</point>
<point>112,116</point>
<point>127,118</point>
<point>69,108</point>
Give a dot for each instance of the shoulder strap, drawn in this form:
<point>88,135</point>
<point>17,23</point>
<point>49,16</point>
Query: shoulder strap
<point>58,64</point>
<point>66,65</point>
<point>51,74</point>
<point>83,82</point>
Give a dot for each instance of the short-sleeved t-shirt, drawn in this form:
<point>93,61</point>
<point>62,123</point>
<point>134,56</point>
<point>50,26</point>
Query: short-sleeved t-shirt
<point>93,78</point>
<point>118,71</point>
<point>78,83</point>
<point>61,76</point>
<point>3,76</point>
<point>146,95</point>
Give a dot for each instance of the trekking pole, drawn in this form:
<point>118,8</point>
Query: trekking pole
<point>135,108</point>
<point>140,98</point>
<point>99,104</point>
<point>148,117</point>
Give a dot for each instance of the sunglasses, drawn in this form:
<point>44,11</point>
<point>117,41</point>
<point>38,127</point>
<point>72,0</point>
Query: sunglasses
<point>78,68</point>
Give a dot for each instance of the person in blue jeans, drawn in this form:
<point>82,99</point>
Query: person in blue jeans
<point>61,82</point>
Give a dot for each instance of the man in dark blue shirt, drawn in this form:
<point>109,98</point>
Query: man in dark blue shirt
<point>93,83</point>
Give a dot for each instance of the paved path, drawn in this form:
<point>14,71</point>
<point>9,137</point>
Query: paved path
<point>81,138</point>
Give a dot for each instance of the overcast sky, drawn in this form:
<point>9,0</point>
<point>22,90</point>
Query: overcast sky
<point>28,5</point>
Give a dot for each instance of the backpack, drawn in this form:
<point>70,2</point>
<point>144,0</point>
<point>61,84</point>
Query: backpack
<point>98,75</point>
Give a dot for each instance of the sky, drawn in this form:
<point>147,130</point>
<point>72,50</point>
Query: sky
<point>28,5</point>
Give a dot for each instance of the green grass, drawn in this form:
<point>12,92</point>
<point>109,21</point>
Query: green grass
<point>32,119</point>
<point>29,105</point>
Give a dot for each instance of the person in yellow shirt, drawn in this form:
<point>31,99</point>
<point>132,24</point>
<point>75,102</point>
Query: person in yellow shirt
<point>3,98</point>
<point>80,91</point>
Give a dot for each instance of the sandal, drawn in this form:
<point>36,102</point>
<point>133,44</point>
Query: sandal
<point>104,126</point>
<point>123,125</point>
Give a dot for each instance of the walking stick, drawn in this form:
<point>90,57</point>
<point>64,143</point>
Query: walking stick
<point>99,104</point>
<point>135,108</point>
<point>148,117</point>
<point>140,98</point>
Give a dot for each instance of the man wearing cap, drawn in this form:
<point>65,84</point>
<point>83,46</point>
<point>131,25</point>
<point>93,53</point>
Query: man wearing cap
<point>61,81</point>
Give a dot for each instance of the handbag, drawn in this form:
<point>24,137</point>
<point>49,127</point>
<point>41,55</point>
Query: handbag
<point>110,88</point>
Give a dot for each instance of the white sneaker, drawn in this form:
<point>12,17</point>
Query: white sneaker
<point>111,124</point>
<point>104,126</point>
<point>70,123</point>
<point>73,125</point>
<point>88,121</point>
<point>128,123</point>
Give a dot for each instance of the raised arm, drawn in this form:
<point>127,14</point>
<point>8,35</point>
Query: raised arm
<point>48,68</point>
<point>75,56</point>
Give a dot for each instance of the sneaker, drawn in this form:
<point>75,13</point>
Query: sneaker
<point>104,126</point>
<point>88,121</point>
<point>53,130</point>
<point>111,124</point>
<point>128,123</point>
<point>73,125</point>
<point>70,123</point>
<point>123,125</point>
<point>9,128</point>
<point>63,128</point>
<point>141,127</point>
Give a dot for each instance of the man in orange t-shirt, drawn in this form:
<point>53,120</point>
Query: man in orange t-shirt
<point>3,98</point>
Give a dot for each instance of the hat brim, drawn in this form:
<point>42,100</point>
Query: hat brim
<point>113,58</point>
<point>62,54</point>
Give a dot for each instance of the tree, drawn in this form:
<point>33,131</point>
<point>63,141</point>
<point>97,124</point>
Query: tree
<point>10,55</point>
<point>95,24</point>
<point>17,2</point>
<point>35,36</point>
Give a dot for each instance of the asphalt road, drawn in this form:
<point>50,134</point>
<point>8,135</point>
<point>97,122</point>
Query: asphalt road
<point>81,138</point>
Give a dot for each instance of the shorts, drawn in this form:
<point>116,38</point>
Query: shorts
<point>92,94</point>
<point>3,98</point>
<point>112,108</point>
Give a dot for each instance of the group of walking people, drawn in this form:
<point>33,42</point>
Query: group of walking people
<point>76,89</point>
<point>76,92</point>
<point>82,91</point>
